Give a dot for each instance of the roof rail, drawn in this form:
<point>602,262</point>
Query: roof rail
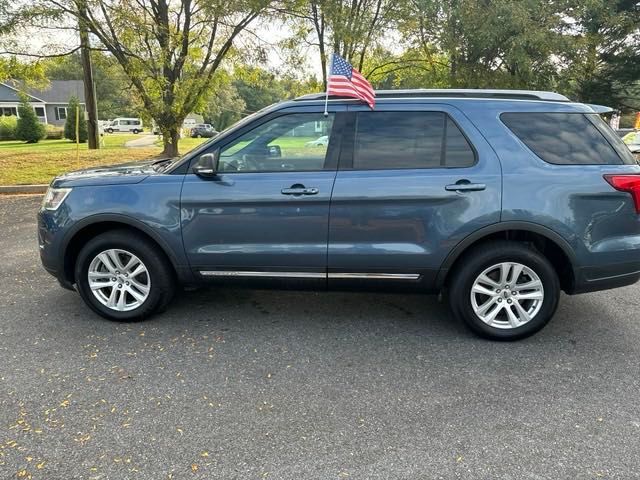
<point>456,93</point>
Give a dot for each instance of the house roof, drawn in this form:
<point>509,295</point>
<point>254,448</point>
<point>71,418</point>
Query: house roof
<point>57,91</point>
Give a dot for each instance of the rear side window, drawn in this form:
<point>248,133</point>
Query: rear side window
<point>395,140</point>
<point>562,138</point>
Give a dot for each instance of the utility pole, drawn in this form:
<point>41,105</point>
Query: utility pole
<point>89,85</point>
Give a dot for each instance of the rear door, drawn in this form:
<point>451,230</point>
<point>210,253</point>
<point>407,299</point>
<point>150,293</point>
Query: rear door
<point>413,181</point>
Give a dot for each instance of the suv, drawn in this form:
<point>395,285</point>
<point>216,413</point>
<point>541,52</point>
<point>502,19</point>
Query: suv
<point>501,199</point>
<point>204,130</point>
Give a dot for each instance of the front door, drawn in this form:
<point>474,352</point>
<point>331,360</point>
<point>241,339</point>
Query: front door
<point>413,181</point>
<point>266,214</point>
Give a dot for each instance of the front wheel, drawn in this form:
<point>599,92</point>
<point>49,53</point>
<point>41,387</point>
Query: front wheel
<point>504,290</point>
<point>121,276</point>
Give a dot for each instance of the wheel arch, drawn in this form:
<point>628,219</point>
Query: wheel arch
<point>547,241</point>
<point>96,224</point>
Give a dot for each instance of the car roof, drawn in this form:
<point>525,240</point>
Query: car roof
<point>489,99</point>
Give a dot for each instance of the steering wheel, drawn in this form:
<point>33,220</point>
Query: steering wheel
<point>245,163</point>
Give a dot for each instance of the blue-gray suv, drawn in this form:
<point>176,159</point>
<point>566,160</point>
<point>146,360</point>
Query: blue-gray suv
<point>499,199</point>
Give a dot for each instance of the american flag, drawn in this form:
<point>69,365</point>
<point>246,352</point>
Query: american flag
<point>346,81</point>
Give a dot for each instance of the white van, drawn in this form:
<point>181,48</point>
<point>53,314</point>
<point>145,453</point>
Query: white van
<point>133,125</point>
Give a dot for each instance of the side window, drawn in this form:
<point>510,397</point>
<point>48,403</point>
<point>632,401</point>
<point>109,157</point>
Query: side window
<point>294,142</point>
<point>458,152</point>
<point>396,140</point>
<point>562,138</point>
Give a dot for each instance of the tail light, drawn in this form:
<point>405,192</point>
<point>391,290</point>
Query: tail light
<point>627,183</point>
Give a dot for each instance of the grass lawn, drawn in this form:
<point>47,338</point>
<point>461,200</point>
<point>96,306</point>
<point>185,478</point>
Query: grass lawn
<point>22,163</point>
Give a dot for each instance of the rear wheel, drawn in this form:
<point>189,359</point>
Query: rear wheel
<point>121,276</point>
<point>504,290</point>
<point>135,131</point>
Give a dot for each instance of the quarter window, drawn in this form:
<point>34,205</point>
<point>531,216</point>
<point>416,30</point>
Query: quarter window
<point>294,142</point>
<point>396,140</point>
<point>563,138</point>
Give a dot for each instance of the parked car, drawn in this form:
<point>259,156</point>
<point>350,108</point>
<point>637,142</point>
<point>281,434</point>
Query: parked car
<point>322,141</point>
<point>632,140</point>
<point>203,130</point>
<point>623,132</point>
<point>499,200</point>
<point>130,125</point>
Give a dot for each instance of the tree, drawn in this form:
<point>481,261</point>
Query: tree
<point>347,27</point>
<point>113,91</point>
<point>497,43</point>
<point>169,50</point>
<point>225,106</point>
<point>259,87</point>
<point>29,129</point>
<point>602,58</point>
<point>70,122</point>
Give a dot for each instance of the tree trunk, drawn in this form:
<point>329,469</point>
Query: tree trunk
<point>93,134</point>
<point>170,140</point>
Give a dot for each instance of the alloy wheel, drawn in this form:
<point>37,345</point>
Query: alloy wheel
<point>119,280</point>
<point>507,295</point>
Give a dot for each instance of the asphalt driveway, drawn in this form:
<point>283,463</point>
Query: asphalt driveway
<point>298,385</point>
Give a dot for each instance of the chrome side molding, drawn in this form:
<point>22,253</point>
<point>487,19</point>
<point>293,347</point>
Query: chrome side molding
<point>332,275</point>
<point>375,276</point>
<point>229,273</point>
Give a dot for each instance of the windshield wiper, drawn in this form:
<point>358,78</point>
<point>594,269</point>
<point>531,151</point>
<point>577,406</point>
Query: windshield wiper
<point>162,163</point>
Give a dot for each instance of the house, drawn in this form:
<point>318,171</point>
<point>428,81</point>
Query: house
<point>50,103</point>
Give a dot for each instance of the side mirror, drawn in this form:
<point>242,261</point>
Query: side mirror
<point>275,151</point>
<point>207,165</point>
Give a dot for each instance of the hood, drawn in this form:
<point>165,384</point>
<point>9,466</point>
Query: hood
<point>124,173</point>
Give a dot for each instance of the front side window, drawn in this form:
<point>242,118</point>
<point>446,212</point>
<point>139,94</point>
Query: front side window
<point>396,140</point>
<point>563,138</point>
<point>294,142</point>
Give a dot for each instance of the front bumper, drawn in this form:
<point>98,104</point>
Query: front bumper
<point>48,244</point>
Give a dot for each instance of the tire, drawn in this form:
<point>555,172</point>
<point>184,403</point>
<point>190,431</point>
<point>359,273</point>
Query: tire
<point>156,283</point>
<point>499,261</point>
<point>109,130</point>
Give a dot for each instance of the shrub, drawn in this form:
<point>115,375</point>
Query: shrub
<point>70,123</point>
<point>8,127</point>
<point>54,132</point>
<point>28,129</point>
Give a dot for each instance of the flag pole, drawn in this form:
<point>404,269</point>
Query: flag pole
<point>326,98</point>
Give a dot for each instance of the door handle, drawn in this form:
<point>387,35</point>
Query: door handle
<point>299,191</point>
<point>465,186</point>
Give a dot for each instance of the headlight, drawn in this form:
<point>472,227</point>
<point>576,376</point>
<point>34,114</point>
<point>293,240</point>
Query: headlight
<point>54,198</point>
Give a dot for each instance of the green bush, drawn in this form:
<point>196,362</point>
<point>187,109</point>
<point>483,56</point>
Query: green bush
<point>70,123</point>
<point>54,132</point>
<point>8,127</point>
<point>29,129</point>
